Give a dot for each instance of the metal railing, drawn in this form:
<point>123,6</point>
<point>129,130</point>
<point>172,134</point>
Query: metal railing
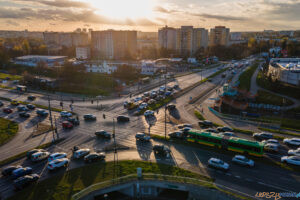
<point>157,177</point>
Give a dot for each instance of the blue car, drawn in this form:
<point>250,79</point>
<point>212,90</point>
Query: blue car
<point>42,113</point>
<point>21,172</point>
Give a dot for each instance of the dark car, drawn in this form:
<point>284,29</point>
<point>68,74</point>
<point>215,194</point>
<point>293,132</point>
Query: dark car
<point>94,157</point>
<point>171,107</point>
<point>8,170</point>
<point>30,106</point>
<point>103,134</point>
<point>262,136</point>
<point>225,129</point>
<point>1,103</point>
<point>161,149</point>
<point>24,114</point>
<point>42,113</point>
<point>25,181</point>
<point>89,117</point>
<point>30,152</point>
<point>74,121</point>
<point>21,172</point>
<point>67,125</point>
<point>31,98</point>
<point>22,108</point>
<point>176,134</point>
<point>122,118</point>
<point>7,110</point>
<point>206,123</point>
<point>211,130</point>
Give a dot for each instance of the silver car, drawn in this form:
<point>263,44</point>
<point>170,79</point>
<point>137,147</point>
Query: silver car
<point>243,160</point>
<point>295,152</point>
<point>294,160</point>
<point>218,164</point>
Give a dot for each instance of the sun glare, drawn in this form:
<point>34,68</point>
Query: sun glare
<point>120,9</point>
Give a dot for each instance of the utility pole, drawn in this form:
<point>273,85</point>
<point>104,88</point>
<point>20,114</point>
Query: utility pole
<point>115,148</point>
<point>50,117</point>
<point>166,105</point>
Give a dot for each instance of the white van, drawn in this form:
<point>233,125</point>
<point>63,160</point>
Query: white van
<point>39,156</point>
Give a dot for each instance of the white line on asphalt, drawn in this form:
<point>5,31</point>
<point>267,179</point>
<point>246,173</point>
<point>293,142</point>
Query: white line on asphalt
<point>237,176</point>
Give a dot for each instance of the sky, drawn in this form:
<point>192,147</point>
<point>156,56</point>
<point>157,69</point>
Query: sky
<point>148,15</point>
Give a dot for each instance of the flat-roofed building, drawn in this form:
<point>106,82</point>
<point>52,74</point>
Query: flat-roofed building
<point>219,36</point>
<point>35,60</point>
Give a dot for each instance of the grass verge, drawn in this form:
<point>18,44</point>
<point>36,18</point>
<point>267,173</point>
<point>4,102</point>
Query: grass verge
<point>63,186</point>
<point>199,115</point>
<point>269,98</point>
<point>23,154</point>
<point>10,76</point>
<point>8,129</point>
<point>245,77</point>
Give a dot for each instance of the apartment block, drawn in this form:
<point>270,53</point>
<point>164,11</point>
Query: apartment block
<point>219,36</point>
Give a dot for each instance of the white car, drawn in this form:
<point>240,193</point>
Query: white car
<point>39,156</point>
<point>81,153</point>
<point>58,163</point>
<point>243,160</point>
<point>57,155</point>
<point>229,134</point>
<point>271,141</point>
<point>271,147</point>
<point>218,164</point>
<point>292,141</point>
<point>148,113</point>
<point>65,114</point>
<point>143,106</point>
<point>295,160</point>
<point>295,152</point>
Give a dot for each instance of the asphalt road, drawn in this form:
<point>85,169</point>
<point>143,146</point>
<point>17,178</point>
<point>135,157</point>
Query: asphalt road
<point>262,178</point>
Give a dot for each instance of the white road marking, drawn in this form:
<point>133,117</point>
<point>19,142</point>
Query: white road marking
<point>237,176</point>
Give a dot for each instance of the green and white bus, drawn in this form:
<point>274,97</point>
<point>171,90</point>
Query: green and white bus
<point>224,142</point>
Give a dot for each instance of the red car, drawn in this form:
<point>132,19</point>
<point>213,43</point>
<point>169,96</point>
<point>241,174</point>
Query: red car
<point>146,99</point>
<point>67,125</point>
<point>7,110</point>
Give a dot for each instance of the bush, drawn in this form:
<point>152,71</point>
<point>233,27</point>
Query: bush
<point>198,115</point>
<point>8,129</point>
<point>269,98</point>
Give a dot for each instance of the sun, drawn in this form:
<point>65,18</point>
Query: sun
<point>122,9</point>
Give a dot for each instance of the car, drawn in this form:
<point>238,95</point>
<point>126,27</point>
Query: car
<point>58,163</point>
<point>1,104</point>
<point>25,181</point>
<point>89,117</point>
<point>7,171</point>
<point>30,152</point>
<point>294,160</point>
<point>185,129</point>
<point>42,113</point>
<point>271,148</point>
<point>74,121</point>
<point>67,125</point>
<point>93,157</point>
<point>142,137</point>
<point>176,134</point>
<point>161,149</point>
<point>206,123</point>
<point>229,134</point>
<point>30,106</point>
<point>146,94</point>
<point>122,118</point>
<point>262,136</point>
<point>146,99</point>
<point>103,134</point>
<point>125,104</point>
<point>81,153</point>
<point>143,106</point>
<point>22,108</point>
<point>211,130</point>
<point>137,99</point>
<point>218,164</point>
<point>171,107</point>
<point>7,110</point>
<point>21,172</point>
<point>271,141</point>
<point>181,126</point>
<point>151,101</point>
<point>168,93</point>
<point>295,152</point>
<point>15,103</point>
<point>57,155</point>
<point>163,88</point>
<point>24,114</point>
<point>65,114</point>
<point>31,98</point>
<point>170,88</point>
<point>153,94</point>
<point>39,156</point>
<point>225,129</point>
<point>243,160</point>
<point>176,86</point>
<point>149,113</point>
<point>209,80</point>
<point>292,141</point>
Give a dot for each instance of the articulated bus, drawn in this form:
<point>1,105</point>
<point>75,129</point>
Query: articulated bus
<point>223,142</point>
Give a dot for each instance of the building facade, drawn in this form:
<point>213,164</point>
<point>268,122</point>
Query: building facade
<point>167,38</point>
<point>35,60</point>
<point>219,36</point>
<point>83,53</point>
<point>111,44</point>
<point>73,39</point>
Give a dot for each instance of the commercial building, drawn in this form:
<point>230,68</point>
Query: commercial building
<point>83,53</point>
<point>112,44</point>
<point>285,70</point>
<point>34,60</point>
<point>185,40</point>
<point>219,36</point>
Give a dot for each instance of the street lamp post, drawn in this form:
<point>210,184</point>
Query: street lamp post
<point>166,106</point>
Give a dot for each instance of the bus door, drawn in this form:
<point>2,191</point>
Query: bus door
<point>224,142</point>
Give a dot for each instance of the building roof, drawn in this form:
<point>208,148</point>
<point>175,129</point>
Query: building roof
<point>28,57</point>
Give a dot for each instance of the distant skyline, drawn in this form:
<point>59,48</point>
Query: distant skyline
<point>148,15</point>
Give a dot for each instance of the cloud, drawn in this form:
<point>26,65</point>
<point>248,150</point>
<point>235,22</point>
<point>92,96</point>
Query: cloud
<point>283,11</point>
<point>220,17</point>
<point>13,23</point>
<point>60,3</point>
<point>163,10</point>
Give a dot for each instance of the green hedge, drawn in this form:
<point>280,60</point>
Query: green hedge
<point>278,131</point>
<point>269,98</point>
<point>199,115</point>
